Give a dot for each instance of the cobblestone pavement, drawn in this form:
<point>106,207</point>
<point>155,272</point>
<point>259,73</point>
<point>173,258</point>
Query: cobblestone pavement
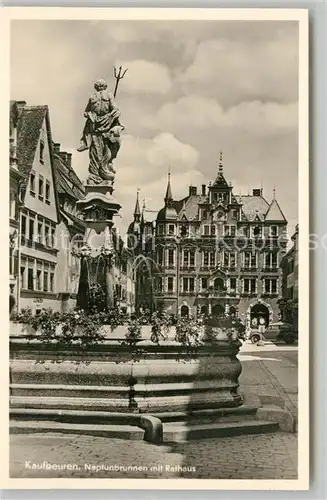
<point>266,456</point>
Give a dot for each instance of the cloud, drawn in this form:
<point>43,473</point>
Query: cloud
<point>235,71</point>
<point>141,160</point>
<point>145,76</point>
<point>256,117</point>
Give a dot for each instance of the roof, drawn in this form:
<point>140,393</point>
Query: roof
<point>72,219</point>
<point>29,121</point>
<point>274,213</point>
<point>253,207</point>
<point>28,134</point>
<point>68,183</point>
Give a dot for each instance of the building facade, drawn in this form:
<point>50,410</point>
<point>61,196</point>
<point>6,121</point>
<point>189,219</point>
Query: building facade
<point>290,282</point>
<point>70,229</point>
<point>46,227</point>
<point>15,183</point>
<point>38,214</point>
<point>216,253</point>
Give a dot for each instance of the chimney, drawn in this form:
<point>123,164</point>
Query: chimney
<point>69,160</point>
<point>20,106</point>
<point>203,189</point>
<point>63,156</point>
<point>192,190</point>
<point>256,192</point>
<point>56,147</point>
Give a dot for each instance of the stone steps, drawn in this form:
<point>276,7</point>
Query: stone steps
<point>107,424</point>
<point>178,431</point>
<point>101,430</point>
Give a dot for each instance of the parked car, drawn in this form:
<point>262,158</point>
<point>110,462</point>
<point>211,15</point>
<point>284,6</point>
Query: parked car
<point>278,331</point>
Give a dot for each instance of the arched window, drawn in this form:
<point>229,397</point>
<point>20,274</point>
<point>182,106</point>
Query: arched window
<point>219,284</point>
<point>184,311</point>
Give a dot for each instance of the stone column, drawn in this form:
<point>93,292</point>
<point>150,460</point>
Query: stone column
<point>98,253</point>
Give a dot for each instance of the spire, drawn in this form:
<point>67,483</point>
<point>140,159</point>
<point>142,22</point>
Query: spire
<point>169,196</point>
<point>221,166</point>
<point>137,211</point>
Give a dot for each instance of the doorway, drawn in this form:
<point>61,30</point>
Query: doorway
<point>259,311</point>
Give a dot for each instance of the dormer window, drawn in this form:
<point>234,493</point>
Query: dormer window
<point>41,188</point>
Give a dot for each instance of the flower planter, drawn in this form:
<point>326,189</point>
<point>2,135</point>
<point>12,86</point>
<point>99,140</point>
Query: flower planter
<point>107,376</point>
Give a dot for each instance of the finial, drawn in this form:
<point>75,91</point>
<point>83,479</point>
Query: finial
<point>143,203</point>
<point>220,167</point>
<point>274,193</point>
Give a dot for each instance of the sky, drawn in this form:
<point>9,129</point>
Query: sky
<point>192,88</point>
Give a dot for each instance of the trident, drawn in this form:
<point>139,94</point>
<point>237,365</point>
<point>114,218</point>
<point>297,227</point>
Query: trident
<point>119,75</point>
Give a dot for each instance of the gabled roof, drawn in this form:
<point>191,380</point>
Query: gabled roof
<point>274,213</point>
<point>28,135</point>
<point>29,124</point>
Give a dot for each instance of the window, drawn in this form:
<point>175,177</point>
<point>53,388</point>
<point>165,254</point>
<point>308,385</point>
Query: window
<point>160,229</point>
<point>30,279</point>
<point>235,214</point>
<point>23,228</point>
<point>233,285</point>
<point>47,192</point>
<point>184,231</point>
<point>213,230</point>
<point>45,281</point>
<point>159,285</point>
<point>257,232</point>
<point>229,259</point>
<point>204,214</point>
<point>38,279</point>
<point>53,232</point>
<point>22,277</point>
<point>249,285</point>
<point>209,258</point>
<point>206,230</point>
<point>188,285</point>
<point>270,286</point>
<point>273,231</point>
<point>171,229</point>
<point>189,258</point>
<point>12,205</point>
<point>32,183</point>
<point>230,231</point>
<point>250,260</point>
<point>47,236</point>
<point>41,188</point>
<point>171,257</point>
<point>41,152</point>
<point>31,230</point>
<point>40,232</point>
<point>170,284</point>
<point>204,283</point>
<point>51,282</point>
<point>160,256</point>
<point>245,231</point>
<point>271,260</point>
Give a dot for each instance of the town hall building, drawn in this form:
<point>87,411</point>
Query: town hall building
<point>213,253</point>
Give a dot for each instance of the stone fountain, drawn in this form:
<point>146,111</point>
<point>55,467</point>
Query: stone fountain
<point>101,138</point>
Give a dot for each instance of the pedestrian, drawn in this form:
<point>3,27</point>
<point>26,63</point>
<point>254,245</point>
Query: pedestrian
<point>262,329</point>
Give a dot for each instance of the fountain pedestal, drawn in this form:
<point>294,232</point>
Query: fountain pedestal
<point>97,280</point>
